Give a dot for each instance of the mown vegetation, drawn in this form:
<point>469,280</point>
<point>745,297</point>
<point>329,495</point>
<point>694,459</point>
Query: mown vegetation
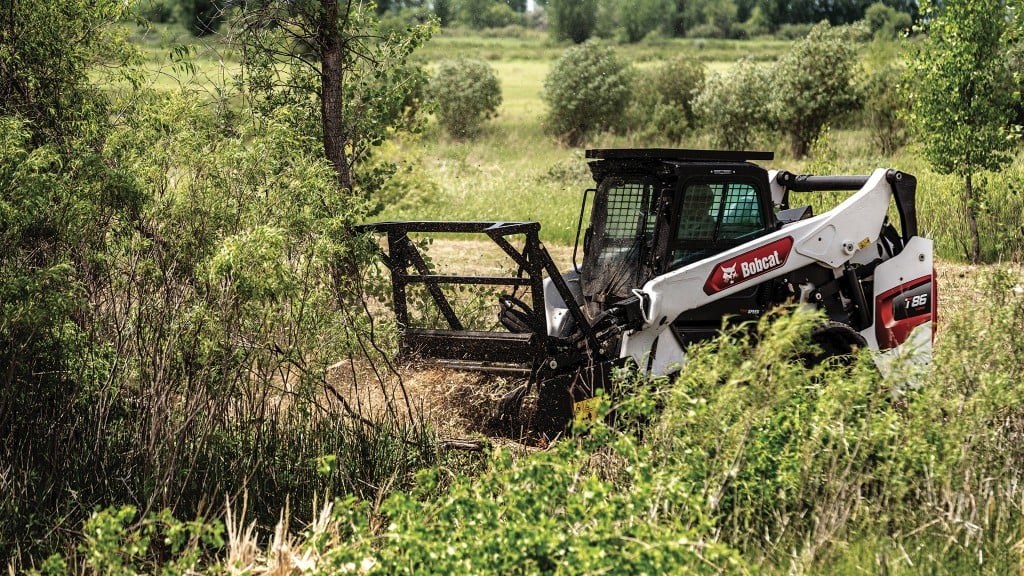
<point>182,321</point>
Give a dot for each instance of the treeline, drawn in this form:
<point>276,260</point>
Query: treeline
<point>578,20</point>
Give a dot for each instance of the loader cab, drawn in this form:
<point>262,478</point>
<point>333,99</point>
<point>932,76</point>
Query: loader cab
<point>657,210</point>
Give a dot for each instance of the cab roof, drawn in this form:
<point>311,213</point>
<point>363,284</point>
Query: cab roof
<point>678,154</point>
<point>671,163</point>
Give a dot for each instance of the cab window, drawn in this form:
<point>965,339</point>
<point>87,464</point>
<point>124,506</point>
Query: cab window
<point>712,217</point>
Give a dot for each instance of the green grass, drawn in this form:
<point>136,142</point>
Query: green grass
<point>522,44</point>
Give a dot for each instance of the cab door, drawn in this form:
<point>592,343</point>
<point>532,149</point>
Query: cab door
<point>713,215</point>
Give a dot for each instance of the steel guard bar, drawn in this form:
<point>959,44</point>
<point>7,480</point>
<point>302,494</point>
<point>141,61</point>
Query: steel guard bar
<point>473,348</point>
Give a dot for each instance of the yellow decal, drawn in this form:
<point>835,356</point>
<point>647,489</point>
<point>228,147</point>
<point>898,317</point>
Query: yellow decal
<point>586,410</point>
<point>863,243</point>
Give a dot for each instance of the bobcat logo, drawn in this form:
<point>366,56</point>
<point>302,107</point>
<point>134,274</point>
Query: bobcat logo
<point>729,274</point>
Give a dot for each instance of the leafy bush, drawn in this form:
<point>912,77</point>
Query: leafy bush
<point>582,507</point>
<point>158,11</point>
<point>500,15</point>
<point>588,90</point>
<point>663,103</point>
<point>188,348</point>
<point>961,99</point>
<point>748,457</point>
<point>884,109</point>
<point>466,93</point>
<point>775,447</point>
<point>397,22</point>
<point>480,14</point>
<point>885,22</point>
<point>202,17</point>
<point>814,84</point>
<point>734,107</point>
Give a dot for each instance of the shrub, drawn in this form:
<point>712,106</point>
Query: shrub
<point>885,22</point>
<point>734,108</point>
<point>202,17</point>
<point>158,11</point>
<point>883,109</point>
<point>467,93</point>
<point>814,84</point>
<point>501,15</point>
<point>587,90</point>
<point>663,103</point>
<point>393,22</point>
<point>748,457</point>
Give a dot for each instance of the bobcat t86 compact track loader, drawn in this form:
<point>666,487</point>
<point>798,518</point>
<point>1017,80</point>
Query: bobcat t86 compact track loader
<point>677,240</point>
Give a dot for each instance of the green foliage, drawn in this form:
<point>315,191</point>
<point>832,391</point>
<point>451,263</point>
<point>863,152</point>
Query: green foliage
<point>962,90</point>
<point>883,109</point>
<point>885,22</point>
<point>158,11</point>
<point>466,93</point>
<point>444,12</point>
<point>64,201</point>
<point>363,90</point>
<point>587,91</point>
<point>396,23</point>
<point>44,78</point>
<point>174,288</point>
<point>115,544</point>
<point>202,17</point>
<point>722,17</point>
<point>749,456</point>
<point>734,107</point>
<point>961,95</point>
<point>642,17</point>
<point>814,84</point>
<point>580,508</point>
<point>774,447</point>
<point>663,103</point>
<point>574,20</point>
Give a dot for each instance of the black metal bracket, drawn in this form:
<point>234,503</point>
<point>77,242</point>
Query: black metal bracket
<point>502,350</point>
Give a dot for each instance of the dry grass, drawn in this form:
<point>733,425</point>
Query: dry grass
<point>286,554</point>
<point>455,403</point>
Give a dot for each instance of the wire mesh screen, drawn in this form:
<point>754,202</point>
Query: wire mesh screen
<point>700,211</point>
<point>626,204</point>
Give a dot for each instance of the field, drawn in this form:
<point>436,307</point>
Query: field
<point>236,358</point>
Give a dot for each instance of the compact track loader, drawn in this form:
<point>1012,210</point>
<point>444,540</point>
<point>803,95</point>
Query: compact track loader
<point>677,241</point>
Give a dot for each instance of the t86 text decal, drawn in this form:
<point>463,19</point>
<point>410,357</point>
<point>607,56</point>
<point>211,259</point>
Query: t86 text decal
<point>758,261</point>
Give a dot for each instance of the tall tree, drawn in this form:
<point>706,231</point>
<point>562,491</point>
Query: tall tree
<point>572,19</point>
<point>962,95</point>
<point>641,17</point>
<point>332,51</point>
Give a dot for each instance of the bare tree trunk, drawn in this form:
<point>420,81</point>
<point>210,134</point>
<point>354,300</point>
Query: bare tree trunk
<point>972,221</point>
<point>331,78</point>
